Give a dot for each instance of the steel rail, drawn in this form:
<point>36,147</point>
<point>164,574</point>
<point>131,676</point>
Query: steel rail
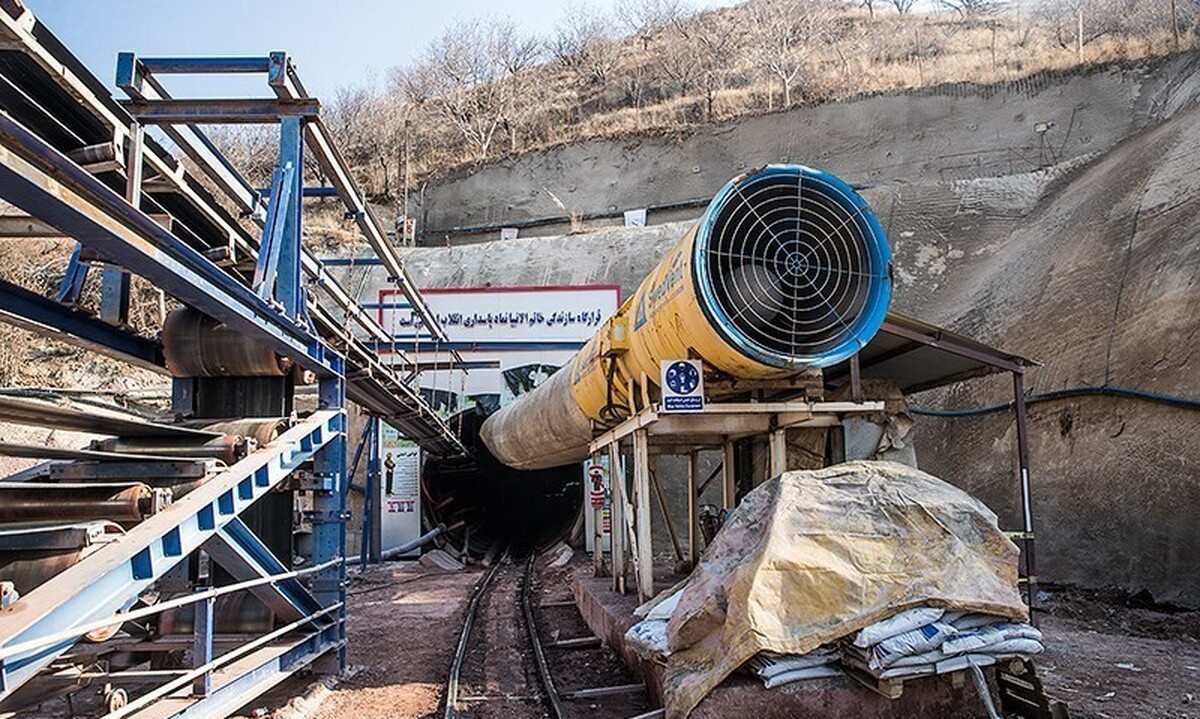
<point>216,663</point>
<point>460,651</point>
<point>122,617</point>
<point>539,653</point>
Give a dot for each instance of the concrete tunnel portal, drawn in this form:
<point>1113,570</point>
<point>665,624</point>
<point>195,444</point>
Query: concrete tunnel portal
<point>487,506</point>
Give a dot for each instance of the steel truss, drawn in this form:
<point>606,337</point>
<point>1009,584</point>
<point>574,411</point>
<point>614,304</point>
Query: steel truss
<point>80,163</point>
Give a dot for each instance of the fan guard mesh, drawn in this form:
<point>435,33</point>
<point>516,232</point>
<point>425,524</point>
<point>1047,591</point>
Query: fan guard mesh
<point>793,266</point>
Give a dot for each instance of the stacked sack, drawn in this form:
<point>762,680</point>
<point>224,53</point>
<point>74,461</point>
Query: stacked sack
<point>779,669</point>
<point>925,641</point>
<point>917,642</point>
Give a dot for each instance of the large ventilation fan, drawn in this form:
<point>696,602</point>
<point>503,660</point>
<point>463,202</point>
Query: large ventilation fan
<point>793,266</point>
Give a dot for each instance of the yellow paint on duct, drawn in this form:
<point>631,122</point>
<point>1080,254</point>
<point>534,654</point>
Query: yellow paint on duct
<point>765,290</point>
<point>664,320</point>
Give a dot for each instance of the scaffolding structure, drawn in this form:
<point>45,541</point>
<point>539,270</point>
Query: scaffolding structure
<point>915,355</point>
<point>81,165</point>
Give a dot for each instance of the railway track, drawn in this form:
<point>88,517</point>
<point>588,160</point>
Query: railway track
<point>499,667</point>
<point>502,668</point>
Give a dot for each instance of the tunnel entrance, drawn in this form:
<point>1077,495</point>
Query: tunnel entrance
<point>489,506</point>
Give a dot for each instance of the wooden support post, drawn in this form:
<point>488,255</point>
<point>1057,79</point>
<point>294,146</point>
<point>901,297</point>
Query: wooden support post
<point>597,523</point>
<point>693,460</point>
<point>778,460</point>
<point>616,480</point>
<point>728,475</point>
<point>856,390</point>
<point>641,495</point>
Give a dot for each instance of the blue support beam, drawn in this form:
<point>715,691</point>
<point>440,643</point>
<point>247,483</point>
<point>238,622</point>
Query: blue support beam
<point>308,192</point>
<point>205,65</point>
<point>209,111</point>
<point>370,441</point>
<point>72,282</point>
<point>240,552</point>
<point>291,161</point>
<point>330,517</point>
<point>374,486</point>
<point>266,269</point>
<point>44,316</point>
<point>114,297</point>
<point>93,591</point>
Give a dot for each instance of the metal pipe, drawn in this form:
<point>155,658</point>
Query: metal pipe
<point>33,502</point>
<point>409,546</point>
<point>229,448</point>
<point>787,270</point>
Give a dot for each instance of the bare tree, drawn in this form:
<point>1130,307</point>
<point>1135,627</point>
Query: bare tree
<point>584,42</point>
<point>784,33</point>
<point>870,6</point>
<point>903,7</point>
<point>970,8</point>
<point>647,18</point>
<point>675,53</point>
<point>476,75</point>
<point>522,92</point>
<point>713,50</point>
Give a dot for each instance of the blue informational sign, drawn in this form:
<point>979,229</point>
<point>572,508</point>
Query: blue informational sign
<point>682,386</point>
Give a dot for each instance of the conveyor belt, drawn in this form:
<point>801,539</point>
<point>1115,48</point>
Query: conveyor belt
<point>37,451</point>
<point>61,413</point>
<point>50,502</point>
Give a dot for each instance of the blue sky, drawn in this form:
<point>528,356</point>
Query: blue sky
<point>333,43</point>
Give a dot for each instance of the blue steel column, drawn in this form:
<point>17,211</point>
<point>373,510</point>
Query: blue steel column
<point>329,520</point>
<point>291,152</point>
<point>367,548</point>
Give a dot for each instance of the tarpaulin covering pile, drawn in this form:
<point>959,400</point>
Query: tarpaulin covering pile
<point>811,557</point>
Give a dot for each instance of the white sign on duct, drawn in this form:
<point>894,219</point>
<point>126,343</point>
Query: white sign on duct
<point>508,233</point>
<point>635,218</point>
<point>682,386</point>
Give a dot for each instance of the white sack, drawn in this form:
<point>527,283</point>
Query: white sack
<point>897,624</point>
<point>917,641</point>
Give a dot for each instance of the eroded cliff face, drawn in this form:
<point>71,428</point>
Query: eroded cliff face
<point>946,132</point>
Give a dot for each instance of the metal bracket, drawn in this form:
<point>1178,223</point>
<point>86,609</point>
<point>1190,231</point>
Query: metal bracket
<point>314,481</point>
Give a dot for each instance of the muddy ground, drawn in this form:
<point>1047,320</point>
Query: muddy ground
<point>1109,656</point>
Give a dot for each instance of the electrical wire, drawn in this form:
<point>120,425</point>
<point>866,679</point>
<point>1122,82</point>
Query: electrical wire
<point>612,412</point>
<point>1087,391</point>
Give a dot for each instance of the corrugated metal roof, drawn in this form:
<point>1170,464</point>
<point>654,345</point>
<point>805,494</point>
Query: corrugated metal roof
<point>920,356</point>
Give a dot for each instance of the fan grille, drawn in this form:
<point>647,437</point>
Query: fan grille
<point>795,266</point>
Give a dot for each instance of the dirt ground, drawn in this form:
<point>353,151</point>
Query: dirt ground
<point>404,624</point>
<point>1108,656</point>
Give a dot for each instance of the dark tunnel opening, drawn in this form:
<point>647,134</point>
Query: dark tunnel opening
<point>490,506</point>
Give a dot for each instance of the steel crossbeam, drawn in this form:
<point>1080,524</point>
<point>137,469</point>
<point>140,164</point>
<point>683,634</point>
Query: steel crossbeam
<point>44,316</point>
<point>111,579</point>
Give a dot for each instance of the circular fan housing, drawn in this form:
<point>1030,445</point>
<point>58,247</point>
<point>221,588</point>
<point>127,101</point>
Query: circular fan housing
<point>792,267</point>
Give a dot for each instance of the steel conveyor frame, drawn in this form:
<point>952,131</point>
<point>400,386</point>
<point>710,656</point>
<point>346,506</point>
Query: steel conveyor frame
<point>170,228</point>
